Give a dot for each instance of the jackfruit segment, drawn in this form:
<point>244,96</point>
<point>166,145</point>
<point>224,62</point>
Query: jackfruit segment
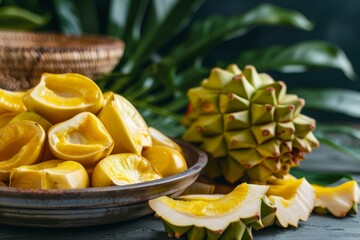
<point>266,216</point>
<point>82,138</point>
<point>58,97</point>
<point>108,96</point>
<point>52,174</point>
<point>160,139</point>
<point>339,200</point>
<point>213,214</point>
<point>125,125</point>
<point>5,118</point>
<point>168,161</point>
<point>294,201</point>
<point>11,101</point>
<point>123,169</point>
<point>32,116</point>
<point>21,143</point>
<point>281,181</point>
<point>200,197</point>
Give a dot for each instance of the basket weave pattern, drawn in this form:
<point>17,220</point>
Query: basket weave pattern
<point>25,56</point>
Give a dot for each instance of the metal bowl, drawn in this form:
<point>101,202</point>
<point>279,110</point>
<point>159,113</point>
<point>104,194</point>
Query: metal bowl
<point>94,206</point>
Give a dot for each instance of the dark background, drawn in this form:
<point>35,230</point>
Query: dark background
<point>336,21</point>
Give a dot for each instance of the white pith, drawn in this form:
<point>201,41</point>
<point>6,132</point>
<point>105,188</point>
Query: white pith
<point>247,208</point>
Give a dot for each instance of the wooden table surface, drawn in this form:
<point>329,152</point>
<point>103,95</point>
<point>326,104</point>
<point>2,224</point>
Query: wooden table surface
<point>148,227</point>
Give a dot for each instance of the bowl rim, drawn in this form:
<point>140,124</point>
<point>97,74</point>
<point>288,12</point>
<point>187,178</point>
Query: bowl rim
<point>195,169</point>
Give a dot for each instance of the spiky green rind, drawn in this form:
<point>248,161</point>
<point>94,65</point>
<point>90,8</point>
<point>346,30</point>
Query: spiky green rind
<point>249,117</point>
<point>235,230</point>
<point>218,79</point>
<point>175,231</point>
<point>213,169</point>
<point>354,209</point>
<point>320,210</point>
<point>324,211</point>
<point>265,218</point>
<point>232,170</point>
<point>268,212</point>
<point>197,233</point>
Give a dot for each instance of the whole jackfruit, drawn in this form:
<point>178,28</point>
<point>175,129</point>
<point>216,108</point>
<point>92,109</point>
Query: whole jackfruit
<point>251,128</point>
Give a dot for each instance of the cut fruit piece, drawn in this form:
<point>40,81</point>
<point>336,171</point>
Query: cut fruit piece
<point>82,138</point>
<point>58,97</point>
<point>11,101</point>
<point>294,201</point>
<point>21,143</point>
<point>160,139</point>
<point>52,174</point>
<point>107,96</point>
<point>123,169</point>
<point>266,213</point>
<point>5,118</point>
<point>208,215</point>
<point>125,125</point>
<point>168,161</point>
<point>281,181</point>
<point>32,116</point>
<point>339,200</point>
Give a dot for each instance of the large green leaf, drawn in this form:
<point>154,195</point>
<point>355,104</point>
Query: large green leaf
<point>213,30</point>
<point>12,17</point>
<point>342,138</point>
<point>88,15</point>
<point>68,16</point>
<point>344,130</point>
<point>118,15</point>
<point>332,99</point>
<point>159,117</point>
<point>162,9</point>
<point>173,19</point>
<point>125,21</point>
<point>190,77</point>
<point>350,151</point>
<point>320,178</point>
<point>298,58</point>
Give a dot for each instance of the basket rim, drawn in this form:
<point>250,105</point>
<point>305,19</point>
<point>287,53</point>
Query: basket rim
<point>85,42</point>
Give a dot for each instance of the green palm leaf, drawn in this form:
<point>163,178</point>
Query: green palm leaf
<point>298,58</point>
<point>68,16</point>
<point>12,17</point>
<point>209,32</point>
<point>332,99</point>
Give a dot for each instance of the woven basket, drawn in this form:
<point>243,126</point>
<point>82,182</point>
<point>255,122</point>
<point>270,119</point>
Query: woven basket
<point>24,56</point>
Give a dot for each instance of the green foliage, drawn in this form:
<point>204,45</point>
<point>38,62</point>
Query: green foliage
<point>13,17</point>
<point>299,57</point>
<point>333,100</point>
<point>157,69</point>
